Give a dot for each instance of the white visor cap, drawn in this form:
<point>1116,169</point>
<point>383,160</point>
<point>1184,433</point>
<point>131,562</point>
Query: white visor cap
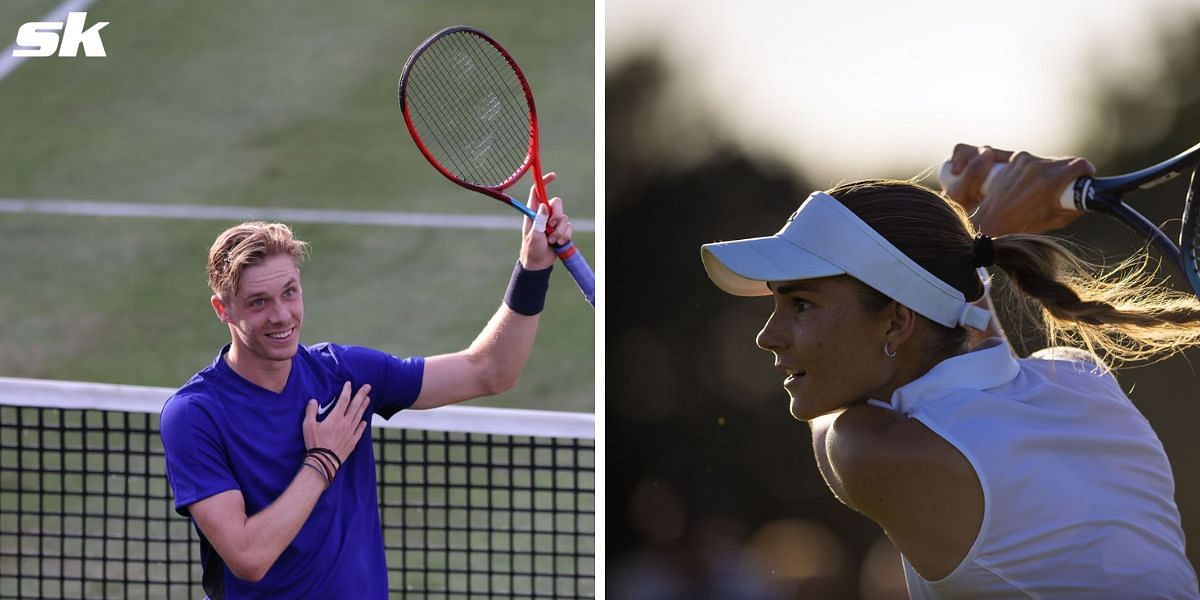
<point>824,238</point>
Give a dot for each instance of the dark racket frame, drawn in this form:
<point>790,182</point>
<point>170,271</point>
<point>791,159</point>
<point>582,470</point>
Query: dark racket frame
<point>572,259</point>
<point>1104,195</point>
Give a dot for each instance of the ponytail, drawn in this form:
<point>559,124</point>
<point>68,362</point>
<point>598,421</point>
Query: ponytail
<point>1121,314</point>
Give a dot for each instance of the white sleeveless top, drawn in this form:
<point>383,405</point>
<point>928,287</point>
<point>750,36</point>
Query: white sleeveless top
<point>1079,500</point>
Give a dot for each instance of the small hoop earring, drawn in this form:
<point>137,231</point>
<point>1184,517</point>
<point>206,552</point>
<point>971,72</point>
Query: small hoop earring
<point>887,351</point>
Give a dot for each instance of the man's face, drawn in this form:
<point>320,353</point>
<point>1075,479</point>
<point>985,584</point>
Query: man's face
<point>267,310</point>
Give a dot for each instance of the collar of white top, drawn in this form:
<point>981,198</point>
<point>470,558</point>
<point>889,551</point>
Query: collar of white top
<point>990,365</point>
<point>824,238</point>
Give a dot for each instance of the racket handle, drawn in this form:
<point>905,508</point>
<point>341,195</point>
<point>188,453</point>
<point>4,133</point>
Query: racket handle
<point>577,265</point>
<point>571,258</point>
<point>1066,200</point>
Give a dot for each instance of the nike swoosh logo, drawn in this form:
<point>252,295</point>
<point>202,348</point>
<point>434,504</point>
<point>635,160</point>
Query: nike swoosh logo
<point>321,410</point>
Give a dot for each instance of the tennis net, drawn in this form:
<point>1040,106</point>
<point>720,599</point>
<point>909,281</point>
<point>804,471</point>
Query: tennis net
<point>475,502</point>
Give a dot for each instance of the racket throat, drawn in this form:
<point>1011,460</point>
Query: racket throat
<point>1082,189</point>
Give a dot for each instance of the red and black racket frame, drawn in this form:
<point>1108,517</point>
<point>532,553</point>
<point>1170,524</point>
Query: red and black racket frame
<point>572,259</point>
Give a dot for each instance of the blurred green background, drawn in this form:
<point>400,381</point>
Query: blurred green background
<point>267,105</point>
<point>271,104</point>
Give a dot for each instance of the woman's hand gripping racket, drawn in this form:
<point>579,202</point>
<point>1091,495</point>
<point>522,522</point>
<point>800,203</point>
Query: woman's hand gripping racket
<point>1105,195</point>
<point>470,111</point>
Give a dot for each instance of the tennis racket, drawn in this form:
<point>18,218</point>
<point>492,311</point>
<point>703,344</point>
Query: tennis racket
<point>470,111</point>
<point>1105,195</point>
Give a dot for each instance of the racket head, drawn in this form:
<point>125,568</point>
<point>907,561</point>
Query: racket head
<point>1105,194</point>
<point>1149,177</point>
<point>470,110</point>
<point>1189,236</point>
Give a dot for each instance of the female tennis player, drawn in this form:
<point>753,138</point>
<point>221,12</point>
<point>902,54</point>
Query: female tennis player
<point>994,476</point>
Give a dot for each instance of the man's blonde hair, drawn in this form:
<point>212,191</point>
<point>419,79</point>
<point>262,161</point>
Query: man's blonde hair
<point>248,244</point>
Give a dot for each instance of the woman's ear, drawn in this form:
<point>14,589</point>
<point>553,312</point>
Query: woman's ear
<point>901,325</point>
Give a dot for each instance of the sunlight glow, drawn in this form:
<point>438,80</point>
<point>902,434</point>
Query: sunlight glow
<point>856,88</point>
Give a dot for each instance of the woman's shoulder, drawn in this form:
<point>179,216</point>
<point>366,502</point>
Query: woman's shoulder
<point>876,443</point>
<point>887,466</point>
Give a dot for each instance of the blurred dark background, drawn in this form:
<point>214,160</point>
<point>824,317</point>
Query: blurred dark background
<point>711,487</point>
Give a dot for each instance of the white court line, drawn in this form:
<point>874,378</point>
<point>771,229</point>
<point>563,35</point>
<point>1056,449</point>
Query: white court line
<point>8,62</point>
<point>289,215</point>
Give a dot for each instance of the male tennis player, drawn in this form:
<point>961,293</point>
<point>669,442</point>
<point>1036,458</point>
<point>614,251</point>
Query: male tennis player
<point>995,477</point>
<point>265,447</point>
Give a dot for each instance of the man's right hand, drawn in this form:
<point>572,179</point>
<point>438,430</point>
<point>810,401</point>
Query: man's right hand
<point>344,425</point>
<point>1022,198</point>
<point>250,544</point>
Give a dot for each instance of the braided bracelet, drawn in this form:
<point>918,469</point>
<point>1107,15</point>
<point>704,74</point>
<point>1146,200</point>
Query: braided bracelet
<point>324,463</point>
<point>329,453</point>
<point>320,472</point>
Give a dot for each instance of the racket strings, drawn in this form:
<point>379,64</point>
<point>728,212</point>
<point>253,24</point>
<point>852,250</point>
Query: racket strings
<point>1189,234</point>
<point>1191,251</point>
<point>486,106</point>
<point>483,104</point>
<point>477,153</point>
<point>469,109</point>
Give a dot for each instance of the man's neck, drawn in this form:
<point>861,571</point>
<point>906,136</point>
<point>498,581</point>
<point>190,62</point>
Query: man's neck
<point>269,374</point>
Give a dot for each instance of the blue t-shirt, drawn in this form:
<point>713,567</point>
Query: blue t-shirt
<point>220,432</point>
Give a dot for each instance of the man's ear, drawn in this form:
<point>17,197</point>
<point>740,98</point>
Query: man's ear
<point>219,308</point>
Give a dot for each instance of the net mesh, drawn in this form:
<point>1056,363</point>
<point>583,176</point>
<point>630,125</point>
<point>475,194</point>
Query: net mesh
<point>86,510</point>
<point>468,107</point>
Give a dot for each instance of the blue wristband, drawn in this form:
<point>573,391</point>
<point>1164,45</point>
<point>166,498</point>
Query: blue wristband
<point>526,293</point>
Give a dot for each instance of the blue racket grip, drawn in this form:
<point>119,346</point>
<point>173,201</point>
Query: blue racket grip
<point>576,264</point>
<point>573,259</point>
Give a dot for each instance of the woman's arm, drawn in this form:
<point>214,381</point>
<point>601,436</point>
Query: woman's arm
<point>917,486</point>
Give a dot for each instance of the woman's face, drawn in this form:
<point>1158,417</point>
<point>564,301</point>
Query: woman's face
<point>829,345</point>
